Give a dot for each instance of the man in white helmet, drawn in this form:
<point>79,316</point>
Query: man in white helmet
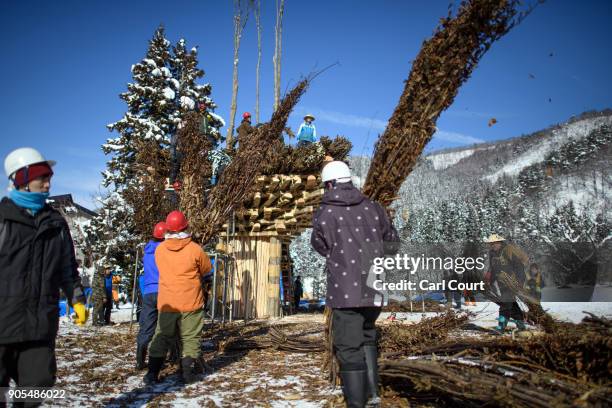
<point>350,231</point>
<point>37,260</point>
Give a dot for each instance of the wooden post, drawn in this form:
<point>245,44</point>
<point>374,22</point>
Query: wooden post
<point>274,277</point>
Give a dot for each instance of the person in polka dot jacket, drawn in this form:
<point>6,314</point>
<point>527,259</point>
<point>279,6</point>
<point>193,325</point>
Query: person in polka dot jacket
<point>350,231</point>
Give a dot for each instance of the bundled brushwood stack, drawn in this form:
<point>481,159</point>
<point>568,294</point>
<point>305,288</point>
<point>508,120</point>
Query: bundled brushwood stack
<point>306,159</point>
<point>280,204</point>
<point>240,175</point>
<point>297,343</point>
<point>195,171</point>
<point>402,339</point>
<point>582,351</point>
<point>444,63</point>
<point>147,197</point>
<point>476,382</point>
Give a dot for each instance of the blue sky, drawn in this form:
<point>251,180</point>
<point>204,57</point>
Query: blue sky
<point>65,63</point>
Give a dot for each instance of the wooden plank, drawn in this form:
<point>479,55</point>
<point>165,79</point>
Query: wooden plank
<point>271,199</point>
<point>256,199</point>
<point>311,182</point>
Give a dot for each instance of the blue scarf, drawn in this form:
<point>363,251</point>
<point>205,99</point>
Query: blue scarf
<point>28,200</point>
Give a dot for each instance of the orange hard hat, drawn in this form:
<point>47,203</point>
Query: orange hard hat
<point>160,230</point>
<point>176,221</point>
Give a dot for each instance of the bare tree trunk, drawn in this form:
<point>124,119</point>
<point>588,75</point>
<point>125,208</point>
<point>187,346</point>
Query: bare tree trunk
<point>278,41</point>
<point>258,23</point>
<point>240,20</point>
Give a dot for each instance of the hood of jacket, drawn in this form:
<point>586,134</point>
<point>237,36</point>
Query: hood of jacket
<point>343,194</point>
<point>176,244</point>
<point>151,247</point>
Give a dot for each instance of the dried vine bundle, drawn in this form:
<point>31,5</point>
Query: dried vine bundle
<point>238,178</point>
<point>195,171</point>
<point>444,63</point>
<point>474,382</point>
<point>147,196</point>
<point>403,339</point>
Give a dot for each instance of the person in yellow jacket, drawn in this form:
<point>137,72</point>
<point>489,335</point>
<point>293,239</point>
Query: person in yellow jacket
<point>182,264</point>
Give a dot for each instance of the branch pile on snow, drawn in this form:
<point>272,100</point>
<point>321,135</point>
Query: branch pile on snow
<point>444,63</point>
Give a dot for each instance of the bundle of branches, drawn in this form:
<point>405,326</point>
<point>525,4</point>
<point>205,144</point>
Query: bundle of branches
<point>240,343</point>
<point>474,382</point>
<point>147,196</point>
<point>444,63</point>
<point>579,351</point>
<point>294,343</point>
<point>536,313</point>
<point>306,159</point>
<point>330,363</point>
<point>239,176</point>
<point>403,339</point>
<point>195,172</point>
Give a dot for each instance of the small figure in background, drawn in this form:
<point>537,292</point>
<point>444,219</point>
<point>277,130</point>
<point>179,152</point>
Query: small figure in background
<point>244,130</point>
<point>116,280</point>
<point>307,133</point>
<point>298,291</point>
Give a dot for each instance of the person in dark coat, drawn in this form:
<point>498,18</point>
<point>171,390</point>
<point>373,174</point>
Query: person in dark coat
<point>350,231</point>
<point>244,130</point>
<point>149,288</point>
<point>508,258</point>
<point>38,260</point>
<point>298,291</point>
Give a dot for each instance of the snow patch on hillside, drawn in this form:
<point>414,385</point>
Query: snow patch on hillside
<point>559,137</point>
<point>442,161</point>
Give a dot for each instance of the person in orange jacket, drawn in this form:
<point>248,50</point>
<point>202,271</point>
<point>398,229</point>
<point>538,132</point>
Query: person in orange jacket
<point>182,264</point>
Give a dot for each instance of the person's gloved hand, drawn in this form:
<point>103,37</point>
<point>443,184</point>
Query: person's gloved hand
<point>81,313</point>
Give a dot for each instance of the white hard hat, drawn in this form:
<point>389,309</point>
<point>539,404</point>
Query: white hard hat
<point>494,238</point>
<point>336,170</point>
<point>22,157</point>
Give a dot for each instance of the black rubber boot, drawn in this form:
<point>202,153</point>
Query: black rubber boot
<point>354,388</point>
<point>155,366</point>
<point>187,366</point>
<point>371,357</point>
<point>141,357</point>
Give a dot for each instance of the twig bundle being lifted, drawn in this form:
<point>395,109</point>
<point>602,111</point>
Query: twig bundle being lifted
<point>238,178</point>
<point>147,195</point>
<point>444,63</point>
<point>196,170</point>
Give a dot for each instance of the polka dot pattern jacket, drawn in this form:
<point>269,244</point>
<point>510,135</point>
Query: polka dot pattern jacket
<point>350,230</point>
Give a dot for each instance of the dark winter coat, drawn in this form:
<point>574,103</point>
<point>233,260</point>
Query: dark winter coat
<point>36,260</point>
<point>298,291</point>
<point>351,230</point>
<point>244,130</point>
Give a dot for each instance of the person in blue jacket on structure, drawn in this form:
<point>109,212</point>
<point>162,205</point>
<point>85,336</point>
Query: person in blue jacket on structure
<point>307,133</point>
<point>148,288</point>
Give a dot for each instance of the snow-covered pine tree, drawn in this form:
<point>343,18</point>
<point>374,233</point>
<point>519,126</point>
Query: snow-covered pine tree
<point>164,89</point>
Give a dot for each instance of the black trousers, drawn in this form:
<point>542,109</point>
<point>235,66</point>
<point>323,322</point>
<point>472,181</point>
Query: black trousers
<point>353,328</point>
<point>29,364</point>
<point>148,319</point>
<point>511,310</point>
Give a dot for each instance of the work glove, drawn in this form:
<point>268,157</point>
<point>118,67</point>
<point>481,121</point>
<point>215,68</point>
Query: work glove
<point>81,313</point>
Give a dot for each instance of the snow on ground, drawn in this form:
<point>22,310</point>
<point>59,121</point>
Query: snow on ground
<point>96,365</point>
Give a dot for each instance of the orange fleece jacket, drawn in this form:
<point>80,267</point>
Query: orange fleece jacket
<point>181,265</point>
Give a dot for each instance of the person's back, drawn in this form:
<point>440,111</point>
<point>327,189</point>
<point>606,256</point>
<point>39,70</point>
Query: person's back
<point>350,231</point>
<point>181,263</point>
<point>150,277</point>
